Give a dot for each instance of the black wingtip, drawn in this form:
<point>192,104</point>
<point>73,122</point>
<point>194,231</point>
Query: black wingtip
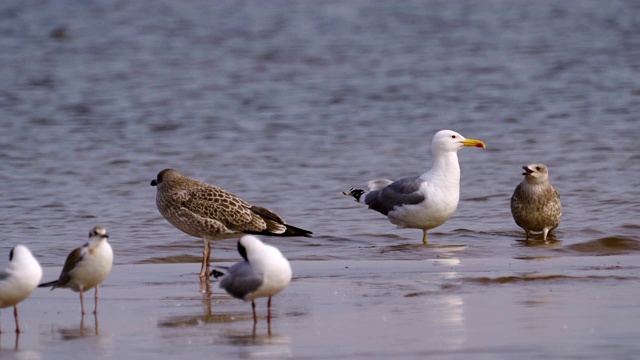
<point>267,215</point>
<point>294,231</point>
<point>216,274</point>
<point>355,193</point>
<point>48,284</point>
<point>289,231</point>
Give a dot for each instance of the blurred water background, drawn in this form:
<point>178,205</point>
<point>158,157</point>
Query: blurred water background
<point>288,103</point>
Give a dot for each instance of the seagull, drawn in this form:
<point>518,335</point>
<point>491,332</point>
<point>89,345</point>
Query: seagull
<point>211,213</point>
<point>423,201</point>
<point>263,273</point>
<point>19,279</point>
<point>86,267</point>
<point>535,204</point>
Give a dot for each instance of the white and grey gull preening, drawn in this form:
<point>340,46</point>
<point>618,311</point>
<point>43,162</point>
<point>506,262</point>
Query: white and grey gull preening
<point>423,201</point>
<point>212,213</point>
<point>18,279</point>
<point>535,203</point>
<point>264,273</point>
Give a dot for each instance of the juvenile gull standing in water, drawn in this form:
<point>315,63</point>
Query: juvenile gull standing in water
<point>86,267</point>
<point>212,213</point>
<point>535,204</point>
<point>424,201</point>
<point>263,273</point>
<point>19,279</point>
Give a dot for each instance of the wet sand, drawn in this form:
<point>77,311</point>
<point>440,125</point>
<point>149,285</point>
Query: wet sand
<point>583,307</point>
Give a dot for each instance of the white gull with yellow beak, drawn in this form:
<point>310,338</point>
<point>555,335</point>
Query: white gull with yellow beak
<point>423,201</point>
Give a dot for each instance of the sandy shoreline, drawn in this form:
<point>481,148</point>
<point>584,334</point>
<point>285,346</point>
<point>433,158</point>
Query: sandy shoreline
<point>342,309</point>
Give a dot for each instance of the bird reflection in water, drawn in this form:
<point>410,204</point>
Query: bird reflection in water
<point>82,331</point>
<point>17,343</point>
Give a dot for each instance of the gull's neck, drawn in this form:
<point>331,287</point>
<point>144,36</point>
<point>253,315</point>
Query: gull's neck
<point>445,169</point>
<point>535,187</point>
<point>96,242</point>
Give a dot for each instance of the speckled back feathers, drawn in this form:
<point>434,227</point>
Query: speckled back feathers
<point>207,211</point>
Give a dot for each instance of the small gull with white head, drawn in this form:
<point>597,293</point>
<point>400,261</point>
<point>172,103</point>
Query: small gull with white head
<point>86,267</point>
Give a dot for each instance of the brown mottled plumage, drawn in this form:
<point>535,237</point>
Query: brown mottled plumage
<point>212,213</point>
<point>535,204</point>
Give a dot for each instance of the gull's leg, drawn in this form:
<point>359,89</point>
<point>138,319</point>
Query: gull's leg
<point>82,301</point>
<point>424,236</point>
<point>544,234</point>
<point>527,230</point>
<point>95,299</point>
<point>15,316</point>
<point>206,254</point>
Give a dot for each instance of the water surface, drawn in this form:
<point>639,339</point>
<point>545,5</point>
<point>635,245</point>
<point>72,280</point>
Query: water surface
<point>289,103</point>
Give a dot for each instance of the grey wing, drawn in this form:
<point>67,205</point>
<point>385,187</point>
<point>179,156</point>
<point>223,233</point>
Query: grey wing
<point>398,193</point>
<point>241,280</point>
<point>3,274</point>
<point>378,184</point>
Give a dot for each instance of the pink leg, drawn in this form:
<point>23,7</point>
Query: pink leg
<point>206,255</point>
<point>82,301</point>
<point>15,316</point>
<point>95,298</point>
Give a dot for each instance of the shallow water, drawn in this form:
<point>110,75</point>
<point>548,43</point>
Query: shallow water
<point>287,104</point>
<point>576,307</point>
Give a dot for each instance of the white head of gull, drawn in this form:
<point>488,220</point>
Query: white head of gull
<point>86,267</point>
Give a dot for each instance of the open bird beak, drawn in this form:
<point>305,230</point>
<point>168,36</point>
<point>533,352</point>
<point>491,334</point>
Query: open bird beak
<point>527,171</point>
<point>473,142</point>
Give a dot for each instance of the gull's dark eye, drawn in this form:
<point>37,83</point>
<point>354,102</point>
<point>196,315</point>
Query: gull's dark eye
<point>538,168</point>
<point>453,136</point>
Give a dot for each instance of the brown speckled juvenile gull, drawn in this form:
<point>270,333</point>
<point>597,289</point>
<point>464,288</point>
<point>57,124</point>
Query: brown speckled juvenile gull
<point>535,204</point>
<point>212,213</point>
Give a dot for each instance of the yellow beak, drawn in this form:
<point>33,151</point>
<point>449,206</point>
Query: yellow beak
<point>473,142</point>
